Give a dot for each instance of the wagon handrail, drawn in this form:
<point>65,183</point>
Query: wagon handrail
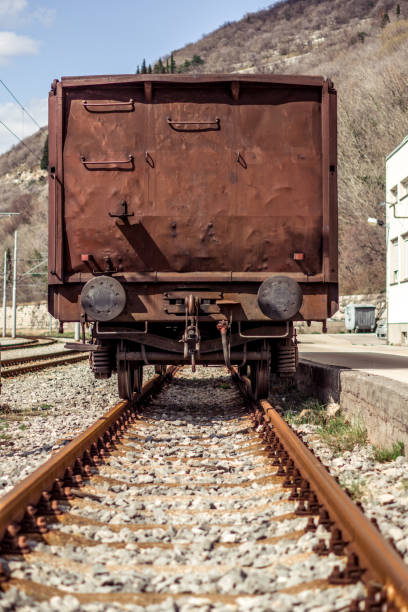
<point>215,121</point>
<point>106,161</point>
<point>86,103</point>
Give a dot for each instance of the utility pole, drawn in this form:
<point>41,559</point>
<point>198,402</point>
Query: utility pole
<point>5,295</point>
<point>7,214</point>
<point>13,333</point>
<point>77,336</point>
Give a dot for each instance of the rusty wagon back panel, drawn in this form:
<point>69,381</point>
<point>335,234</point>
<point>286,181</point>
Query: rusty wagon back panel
<point>218,174</point>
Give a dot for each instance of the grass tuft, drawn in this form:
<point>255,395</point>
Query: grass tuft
<point>311,412</point>
<point>356,488</point>
<point>45,406</point>
<point>340,435</point>
<point>336,432</point>
<point>383,455</point>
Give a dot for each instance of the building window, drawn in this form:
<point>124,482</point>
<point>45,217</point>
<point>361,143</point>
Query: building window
<point>403,193</point>
<point>393,195</point>
<point>404,256</point>
<point>394,261</point>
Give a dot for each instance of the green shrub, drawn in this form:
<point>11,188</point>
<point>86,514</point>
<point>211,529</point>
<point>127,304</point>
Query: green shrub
<point>383,455</point>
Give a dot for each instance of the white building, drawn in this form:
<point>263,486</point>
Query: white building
<point>397,243</point>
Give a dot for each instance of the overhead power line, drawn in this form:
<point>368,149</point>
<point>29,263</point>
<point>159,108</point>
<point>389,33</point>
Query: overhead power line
<point>20,105</point>
<point>18,138</point>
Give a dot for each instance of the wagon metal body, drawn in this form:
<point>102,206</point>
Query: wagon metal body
<point>190,192</point>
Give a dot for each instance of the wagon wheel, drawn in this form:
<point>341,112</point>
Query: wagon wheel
<point>260,379</point>
<point>126,379</point>
<point>243,370</point>
<point>160,369</point>
<point>138,383</point>
<point>253,367</point>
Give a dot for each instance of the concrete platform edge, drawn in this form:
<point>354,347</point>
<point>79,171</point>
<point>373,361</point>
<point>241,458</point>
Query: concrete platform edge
<point>378,403</point>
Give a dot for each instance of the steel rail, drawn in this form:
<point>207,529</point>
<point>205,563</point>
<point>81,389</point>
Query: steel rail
<point>35,343</point>
<point>5,363</point>
<point>10,347</point>
<point>40,362</point>
<point>13,505</point>
<point>375,554</point>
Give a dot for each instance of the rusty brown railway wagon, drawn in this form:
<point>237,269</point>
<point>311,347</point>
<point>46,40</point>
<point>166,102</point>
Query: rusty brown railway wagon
<point>192,219</point>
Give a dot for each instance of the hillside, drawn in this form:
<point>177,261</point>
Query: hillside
<point>362,45</point>
<point>24,189</point>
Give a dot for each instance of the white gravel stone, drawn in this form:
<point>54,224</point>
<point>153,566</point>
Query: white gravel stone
<point>194,440</point>
<point>41,411</point>
<point>382,488</point>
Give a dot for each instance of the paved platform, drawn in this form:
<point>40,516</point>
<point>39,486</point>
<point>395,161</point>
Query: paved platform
<point>361,352</point>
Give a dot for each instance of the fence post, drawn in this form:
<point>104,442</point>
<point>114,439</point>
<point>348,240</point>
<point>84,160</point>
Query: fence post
<point>5,296</point>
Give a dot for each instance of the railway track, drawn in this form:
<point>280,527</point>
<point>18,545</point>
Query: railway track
<point>32,343</point>
<point>22,365</point>
<point>193,498</point>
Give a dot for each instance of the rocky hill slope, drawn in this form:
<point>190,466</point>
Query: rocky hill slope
<point>24,189</point>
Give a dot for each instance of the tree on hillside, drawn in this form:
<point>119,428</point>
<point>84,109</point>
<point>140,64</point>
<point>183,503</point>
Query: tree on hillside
<point>159,68</point>
<point>172,64</point>
<point>44,158</point>
<point>398,11</point>
<point>385,20</point>
<point>197,61</point>
<point>143,69</point>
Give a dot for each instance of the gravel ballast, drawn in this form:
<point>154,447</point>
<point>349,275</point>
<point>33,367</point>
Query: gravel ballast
<point>193,442</point>
<point>40,412</point>
<point>381,488</point>
<point>187,509</point>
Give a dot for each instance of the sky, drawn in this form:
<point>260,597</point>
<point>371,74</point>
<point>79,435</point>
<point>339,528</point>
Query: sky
<point>42,39</point>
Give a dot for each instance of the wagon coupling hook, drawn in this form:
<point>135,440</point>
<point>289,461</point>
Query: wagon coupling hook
<point>190,304</point>
<point>223,326</point>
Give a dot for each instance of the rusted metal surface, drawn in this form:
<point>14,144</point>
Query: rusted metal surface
<point>29,491</point>
<point>225,178</point>
<point>369,554</point>
<point>148,300</point>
